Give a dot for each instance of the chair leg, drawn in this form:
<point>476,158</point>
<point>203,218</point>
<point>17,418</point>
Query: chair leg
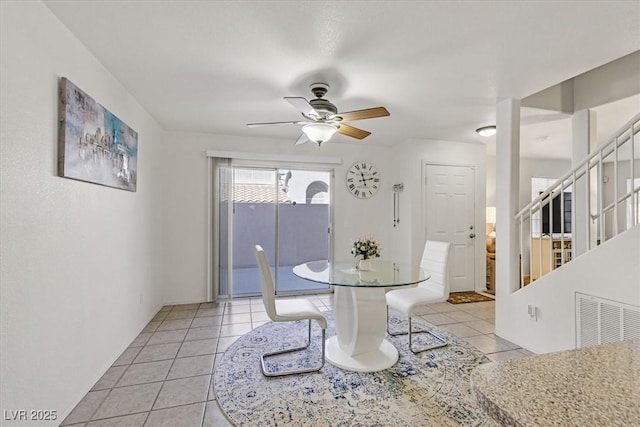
<point>442,341</point>
<point>292,350</point>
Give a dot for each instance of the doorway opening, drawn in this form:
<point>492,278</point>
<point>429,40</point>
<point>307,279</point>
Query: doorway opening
<point>287,212</point>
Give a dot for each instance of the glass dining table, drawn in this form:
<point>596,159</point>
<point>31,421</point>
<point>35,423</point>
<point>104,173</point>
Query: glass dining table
<point>360,309</point>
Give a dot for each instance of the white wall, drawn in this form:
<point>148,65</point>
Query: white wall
<point>84,267</point>
<point>611,271</point>
<point>610,82</point>
<point>80,262</point>
<point>408,160</point>
<point>529,167</point>
<point>186,190</point>
<point>186,231</point>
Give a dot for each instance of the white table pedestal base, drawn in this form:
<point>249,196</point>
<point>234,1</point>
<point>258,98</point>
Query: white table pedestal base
<point>361,321</point>
<point>379,359</point>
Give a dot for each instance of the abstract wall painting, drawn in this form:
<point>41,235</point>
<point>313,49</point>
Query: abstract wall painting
<point>93,144</point>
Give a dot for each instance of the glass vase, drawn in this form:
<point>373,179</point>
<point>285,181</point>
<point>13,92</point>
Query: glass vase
<point>363,264</point>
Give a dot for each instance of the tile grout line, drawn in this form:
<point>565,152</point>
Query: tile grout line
<point>215,356</point>
<point>193,376</point>
<point>173,360</point>
<point>253,312</point>
<point>169,370</point>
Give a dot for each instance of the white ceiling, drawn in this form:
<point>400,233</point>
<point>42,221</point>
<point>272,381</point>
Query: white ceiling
<point>438,66</point>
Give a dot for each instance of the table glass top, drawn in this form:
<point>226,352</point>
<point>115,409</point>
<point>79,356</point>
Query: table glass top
<point>381,275</point>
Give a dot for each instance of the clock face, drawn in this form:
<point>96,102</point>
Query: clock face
<point>363,180</point>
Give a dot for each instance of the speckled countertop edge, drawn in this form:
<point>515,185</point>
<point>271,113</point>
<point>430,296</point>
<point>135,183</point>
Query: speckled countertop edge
<point>588,386</point>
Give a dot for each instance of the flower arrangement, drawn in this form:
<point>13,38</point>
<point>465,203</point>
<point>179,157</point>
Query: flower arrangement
<point>366,248</point>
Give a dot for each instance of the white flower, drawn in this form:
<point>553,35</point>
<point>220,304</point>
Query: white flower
<point>366,247</point>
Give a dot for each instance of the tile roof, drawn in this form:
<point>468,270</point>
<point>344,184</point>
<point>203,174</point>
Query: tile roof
<point>258,193</point>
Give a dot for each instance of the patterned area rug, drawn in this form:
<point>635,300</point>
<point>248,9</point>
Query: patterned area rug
<point>465,297</point>
<point>427,389</point>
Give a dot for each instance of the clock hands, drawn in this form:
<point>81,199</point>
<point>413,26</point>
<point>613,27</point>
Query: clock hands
<point>358,177</point>
<point>363,180</point>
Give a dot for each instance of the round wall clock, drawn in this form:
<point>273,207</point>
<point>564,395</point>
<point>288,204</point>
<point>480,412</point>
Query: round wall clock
<point>363,180</point>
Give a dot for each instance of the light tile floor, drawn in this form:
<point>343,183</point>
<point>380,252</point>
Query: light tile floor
<point>164,377</point>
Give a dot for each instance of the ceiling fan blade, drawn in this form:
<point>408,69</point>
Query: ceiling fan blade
<point>368,113</point>
<point>352,132</point>
<point>302,105</point>
<point>254,125</point>
<point>302,139</point>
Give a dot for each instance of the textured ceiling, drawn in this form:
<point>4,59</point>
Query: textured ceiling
<point>438,66</point>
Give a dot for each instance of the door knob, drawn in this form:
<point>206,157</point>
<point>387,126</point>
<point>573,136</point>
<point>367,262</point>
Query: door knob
<point>471,236</point>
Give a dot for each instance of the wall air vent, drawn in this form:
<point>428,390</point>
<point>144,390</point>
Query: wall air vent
<point>602,321</point>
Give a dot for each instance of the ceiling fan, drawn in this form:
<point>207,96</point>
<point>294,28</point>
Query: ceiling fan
<point>322,119</point>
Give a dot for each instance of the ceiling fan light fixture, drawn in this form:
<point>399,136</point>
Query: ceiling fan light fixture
<point>323,118</point>
<point>319,132</point>
<point>486,130</point>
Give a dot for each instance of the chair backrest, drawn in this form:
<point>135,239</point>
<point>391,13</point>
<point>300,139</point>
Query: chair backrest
<point>268,289</point>
<point>435,259</point>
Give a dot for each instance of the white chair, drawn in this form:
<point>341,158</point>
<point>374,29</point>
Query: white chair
<point>287,311</point>
<point>435,259</point>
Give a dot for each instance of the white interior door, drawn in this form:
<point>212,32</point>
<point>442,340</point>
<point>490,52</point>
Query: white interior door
<point>449,215</point>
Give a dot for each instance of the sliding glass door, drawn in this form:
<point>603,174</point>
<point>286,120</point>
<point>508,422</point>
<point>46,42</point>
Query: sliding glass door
<point>302,226</point>
<point>253,223</point>
<point>285,211</point>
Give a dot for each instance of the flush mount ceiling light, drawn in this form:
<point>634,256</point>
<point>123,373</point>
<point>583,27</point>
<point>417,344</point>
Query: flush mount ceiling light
<point>486,131</point>
<point>319,132</point>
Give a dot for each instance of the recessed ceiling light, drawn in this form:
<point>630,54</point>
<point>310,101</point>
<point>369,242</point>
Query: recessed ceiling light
<point>486,131</point>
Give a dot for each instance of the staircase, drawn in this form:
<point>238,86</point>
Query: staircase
<point>589,205</point>
<point>592,251</point>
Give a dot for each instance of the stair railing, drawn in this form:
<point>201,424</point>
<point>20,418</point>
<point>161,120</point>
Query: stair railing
<point>606,183</point>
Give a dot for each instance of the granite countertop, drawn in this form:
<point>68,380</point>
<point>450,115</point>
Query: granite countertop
<point>592,386</point>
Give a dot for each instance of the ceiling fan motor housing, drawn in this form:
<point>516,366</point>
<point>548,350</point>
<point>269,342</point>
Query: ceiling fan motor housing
<point>323,119</point>
<point>323,106</point>
<point>319,89</point>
